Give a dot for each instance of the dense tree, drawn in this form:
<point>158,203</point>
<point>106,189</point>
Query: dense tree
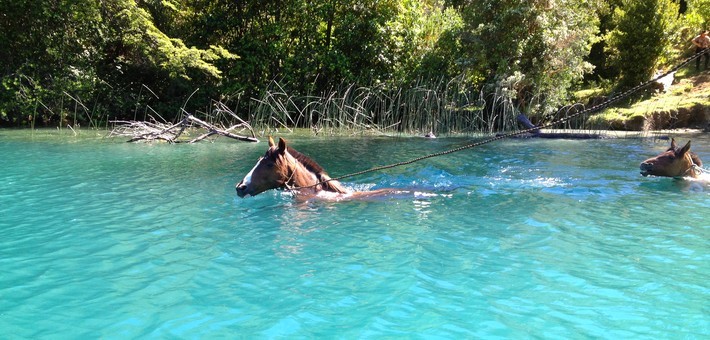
<point>603,68</point>
<point>530,52</point>
<point>298,42</point>
<point>60,54</point>
<point>425,42</point>
<point>697,14</point>
<point>47,47</point>
<point>107,58</point>
<point>641,40</point>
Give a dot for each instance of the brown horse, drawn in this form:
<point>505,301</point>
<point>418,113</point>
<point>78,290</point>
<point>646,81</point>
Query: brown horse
<point>282,167</point>
<point>674,162</point>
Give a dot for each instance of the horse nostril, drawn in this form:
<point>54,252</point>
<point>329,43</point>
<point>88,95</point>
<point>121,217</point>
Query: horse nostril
<point>241,190</point>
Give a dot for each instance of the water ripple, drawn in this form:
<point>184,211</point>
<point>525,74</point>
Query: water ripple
<point>519,239</point>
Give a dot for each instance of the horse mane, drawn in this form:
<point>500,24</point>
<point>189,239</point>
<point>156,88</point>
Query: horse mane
<point>314,167</point>
<point>309,163</point>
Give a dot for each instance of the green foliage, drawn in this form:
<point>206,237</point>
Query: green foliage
<point>641,41</point>
<point>48,50</point>
<point>58,56</point>
<point>424,43</point>
<point>145,43</point>
<point>88,61</point>
<point>530,53</point>
<point>698,15</point>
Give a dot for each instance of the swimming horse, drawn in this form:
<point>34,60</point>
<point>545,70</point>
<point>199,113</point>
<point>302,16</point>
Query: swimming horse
<point>674,162</point>
<point>282,167</point>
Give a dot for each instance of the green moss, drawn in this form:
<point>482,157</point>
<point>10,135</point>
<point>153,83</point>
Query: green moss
<point>583,96</point>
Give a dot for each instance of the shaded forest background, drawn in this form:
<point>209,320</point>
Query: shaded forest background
<point>407,64</point>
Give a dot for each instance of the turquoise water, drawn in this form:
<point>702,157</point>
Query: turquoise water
<point>524,238</point>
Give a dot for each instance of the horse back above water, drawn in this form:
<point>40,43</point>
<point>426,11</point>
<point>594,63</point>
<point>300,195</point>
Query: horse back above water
<point>674,162</point>
<point>282,167</point>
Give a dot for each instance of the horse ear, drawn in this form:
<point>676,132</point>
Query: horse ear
<point>271,142</point>
<point>282,145</point>
<point>673,144</point>
<point>684,149</point>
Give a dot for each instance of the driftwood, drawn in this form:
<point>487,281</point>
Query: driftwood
<point>172,133</point>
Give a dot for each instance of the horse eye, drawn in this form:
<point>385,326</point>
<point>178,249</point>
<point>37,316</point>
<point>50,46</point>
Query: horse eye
<point>267,162</point>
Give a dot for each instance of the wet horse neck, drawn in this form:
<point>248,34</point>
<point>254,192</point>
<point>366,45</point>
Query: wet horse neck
<point>299,176</point>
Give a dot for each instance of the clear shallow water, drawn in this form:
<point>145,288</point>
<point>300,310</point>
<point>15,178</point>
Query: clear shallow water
<point>541,238</point>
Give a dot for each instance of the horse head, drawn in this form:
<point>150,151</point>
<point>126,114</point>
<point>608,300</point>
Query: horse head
<point>284,167</point>
<point>674,162</point>
<point>268,173</point>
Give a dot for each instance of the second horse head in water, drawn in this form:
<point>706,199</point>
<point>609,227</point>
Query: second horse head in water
<point>674,162</point>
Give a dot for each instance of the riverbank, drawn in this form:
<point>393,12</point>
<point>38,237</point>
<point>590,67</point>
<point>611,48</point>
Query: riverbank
<point>684,105</point>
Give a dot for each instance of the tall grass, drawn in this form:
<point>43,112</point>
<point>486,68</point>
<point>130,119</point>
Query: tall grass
<point>441,107</point>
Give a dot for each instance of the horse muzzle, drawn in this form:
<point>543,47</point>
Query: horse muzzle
<point>646,168</point>
<point>242,190</point>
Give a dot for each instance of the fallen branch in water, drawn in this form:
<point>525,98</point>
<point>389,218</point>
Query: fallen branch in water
<point>152,130</point>
<point>212,130</point>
